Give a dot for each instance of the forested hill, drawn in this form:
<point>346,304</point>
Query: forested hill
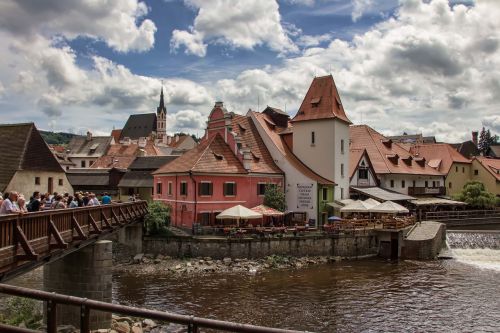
<point>59,138</point>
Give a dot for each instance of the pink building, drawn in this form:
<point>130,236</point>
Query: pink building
<point>230,166</point>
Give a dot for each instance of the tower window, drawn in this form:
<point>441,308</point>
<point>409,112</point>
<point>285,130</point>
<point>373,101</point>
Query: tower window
<point>313,138</point>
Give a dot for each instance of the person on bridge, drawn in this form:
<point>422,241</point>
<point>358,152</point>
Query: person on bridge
<point>93,200</point>
<point>34,204</point>
<point>106,199</point>
<point>8,206</point>
<point>21,204</point>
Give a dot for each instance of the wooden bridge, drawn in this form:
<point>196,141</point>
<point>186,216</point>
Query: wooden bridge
<point>465,218</point>
<point>33,239</point>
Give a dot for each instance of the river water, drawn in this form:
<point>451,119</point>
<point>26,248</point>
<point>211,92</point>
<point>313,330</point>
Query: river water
<point>458,295</point>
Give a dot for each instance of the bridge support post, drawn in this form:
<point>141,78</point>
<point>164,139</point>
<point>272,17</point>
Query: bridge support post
<point>85,273</point>
<point>131,236</point>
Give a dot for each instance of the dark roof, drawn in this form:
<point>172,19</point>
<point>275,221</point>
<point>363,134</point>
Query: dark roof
<point>495,151</point>
<point>151,162</point>
<point>23,148</point>
<point>468,149</point>
<point>88,179</point>
<point>139,125</point>
<point>322,101</point>
<point>97,146</point>
<point>137,179</point>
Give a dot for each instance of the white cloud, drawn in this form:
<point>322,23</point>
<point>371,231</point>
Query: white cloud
<point>188,121</point>
<point>116,22</point>
<point>313,40</point>
<point>359,7</point>
<point>236,23</point>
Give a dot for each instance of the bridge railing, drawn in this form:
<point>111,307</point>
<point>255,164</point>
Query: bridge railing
<point>462,214</point>
<point>193,324</point>
<point>30,236</point>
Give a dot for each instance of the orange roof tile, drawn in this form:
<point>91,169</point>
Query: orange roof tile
<point>273,133</point>
<point>322,101</point>
<point>244,127</point>
<point>490,164</point>
<point>440,156</point>
<point>211,156</point>
<point>354,158</point>
<point>382,152</point>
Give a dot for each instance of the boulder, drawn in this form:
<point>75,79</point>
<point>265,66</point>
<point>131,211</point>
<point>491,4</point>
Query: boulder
<point>136,328</point>
<point>148,323</point>
<point>138,258</point>
<point>121,327</point>
<point>227,261</point>
<point>66,329</point>
<point>157,261</point>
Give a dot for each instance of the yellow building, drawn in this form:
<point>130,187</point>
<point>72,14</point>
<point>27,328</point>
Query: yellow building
<point>487,171</point>
<point>444,158</point>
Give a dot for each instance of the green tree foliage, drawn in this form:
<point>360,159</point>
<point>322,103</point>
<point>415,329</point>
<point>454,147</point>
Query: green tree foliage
<point>158,218</point>
<point>274,197</point>
<point>486,139</point>
<point>22,310</point>
<point>59,138</point>
<point>474,193</point>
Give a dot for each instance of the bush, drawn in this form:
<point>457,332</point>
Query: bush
<point>274,197</point>
<point>474,193</point>
<point>158,218</point>
<point>22,310</point>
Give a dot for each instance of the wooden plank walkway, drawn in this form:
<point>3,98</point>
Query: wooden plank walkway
<point>32,239</point>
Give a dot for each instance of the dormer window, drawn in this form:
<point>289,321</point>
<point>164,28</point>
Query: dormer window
<point>387,143</point>
<point>218,156</point>
<point>315,101</point>
<point>407,160</point>
<point>242,128</point>
<point>394,158</point>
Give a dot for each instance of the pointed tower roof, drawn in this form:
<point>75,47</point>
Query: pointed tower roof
<point>322,101</point>
<point>161,107</point>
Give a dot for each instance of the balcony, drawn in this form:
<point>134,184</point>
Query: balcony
<point>440,190</point>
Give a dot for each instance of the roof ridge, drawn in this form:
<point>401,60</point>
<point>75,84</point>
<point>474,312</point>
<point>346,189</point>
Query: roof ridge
<point>376,146</point>
<point>211,140</point>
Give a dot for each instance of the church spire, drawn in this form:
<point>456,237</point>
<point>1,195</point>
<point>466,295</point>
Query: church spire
<point>161,107</point>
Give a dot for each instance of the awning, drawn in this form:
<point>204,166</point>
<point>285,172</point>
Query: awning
<point>371,202</point>
<point>335,204</point>
<point>389,207</point>
<point>382,194</point>
<point>357,206</point>
<point>267,211</point>
<point>437,201</point>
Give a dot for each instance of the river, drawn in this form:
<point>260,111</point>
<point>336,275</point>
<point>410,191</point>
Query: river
<point>458,295</point>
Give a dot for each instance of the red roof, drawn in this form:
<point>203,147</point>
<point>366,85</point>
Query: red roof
<point>490,164</point>
<point>119,162</point>
<point>116,134</point>
<point>439,155</point>
<point>322,101</point>
<point>273,133</point>
<point>211,156</point>
<point>386,156</point>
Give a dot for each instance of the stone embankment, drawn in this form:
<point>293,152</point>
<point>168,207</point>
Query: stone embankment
<point>159,264</point>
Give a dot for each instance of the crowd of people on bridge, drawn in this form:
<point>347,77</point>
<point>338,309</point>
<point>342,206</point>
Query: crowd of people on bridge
<point>15,203</point>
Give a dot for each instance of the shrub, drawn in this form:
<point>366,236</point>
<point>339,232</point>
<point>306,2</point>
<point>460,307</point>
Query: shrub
<point>158,218</point>
<point>274,197</point>
<point>22,310</point>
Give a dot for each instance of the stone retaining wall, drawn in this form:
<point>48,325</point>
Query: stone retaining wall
<point>424,249</point>
<point>218,248</point>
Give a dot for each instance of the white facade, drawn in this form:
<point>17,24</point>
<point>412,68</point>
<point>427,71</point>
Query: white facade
<point>293,177</point>
<point>26,182</point>
<point>318,143</point>
<point>401,182</point>
<point>369,181</point>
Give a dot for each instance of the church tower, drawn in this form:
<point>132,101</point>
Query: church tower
<point>161,118</point>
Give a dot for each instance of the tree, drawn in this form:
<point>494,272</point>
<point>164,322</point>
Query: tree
<point>157,219</point>
<point>475,194</point>
<point>482,141</point>
<point>274,197</point>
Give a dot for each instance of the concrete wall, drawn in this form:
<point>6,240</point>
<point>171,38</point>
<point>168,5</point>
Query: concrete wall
<point>424,249</point>
<point>24,182</point>
<point>85,273</point>
<point>345,246</point>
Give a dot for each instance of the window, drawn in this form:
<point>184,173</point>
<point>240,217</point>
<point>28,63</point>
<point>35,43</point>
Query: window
<point>433,184</point>
<point>324,194</point>
<point>61,182</point>
<point>341,193</point>
<point>414,183</point>
<point>392,183</point>
<point>261,188</point>
<point>363,173</point>
<point>456,168</point>
<point>206,188</point>
<point>229,189</point>
<point>342,146</point>
<point>449,184</point>
<point>82,164</point>
<point>463,169</point>
<point>426,183</point>
<point>342,170</point>
<point>476,172</point>
<point>403,184</point>
<point>169,188</point>
<point>313,138</point>
<point>158,188</point>
<point>438,183</point>
<point>184,188</point>
<point>204,218</point>
<point>37,180</point>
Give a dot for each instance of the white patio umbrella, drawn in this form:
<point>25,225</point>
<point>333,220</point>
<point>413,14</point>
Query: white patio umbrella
<point>371,202</point>
<point>357,206</point>
<point>238,212</point>
<point>389,207</point>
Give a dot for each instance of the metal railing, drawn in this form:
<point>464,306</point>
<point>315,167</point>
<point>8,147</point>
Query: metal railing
<point>462,214</point>
<point>192,323</point>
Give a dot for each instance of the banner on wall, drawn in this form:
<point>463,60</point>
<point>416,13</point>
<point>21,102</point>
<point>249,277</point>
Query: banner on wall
<point>305,196</point>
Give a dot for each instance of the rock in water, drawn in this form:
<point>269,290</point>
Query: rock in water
<point>148,323</point>
<point>138,258</point>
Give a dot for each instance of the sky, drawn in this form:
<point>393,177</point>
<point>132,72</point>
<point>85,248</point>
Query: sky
<point>415,66</point>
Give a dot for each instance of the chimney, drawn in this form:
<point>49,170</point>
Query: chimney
<point>474,137</point>
<point>142,142</point>
<point>89,136</point>
<point>247,158</point>
<point>176,138</point>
